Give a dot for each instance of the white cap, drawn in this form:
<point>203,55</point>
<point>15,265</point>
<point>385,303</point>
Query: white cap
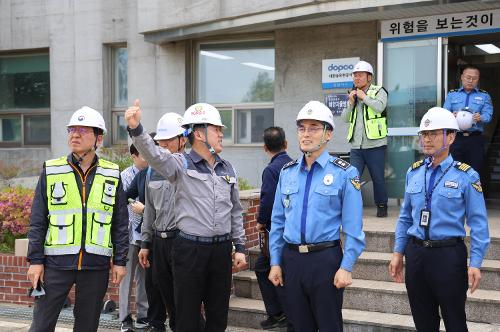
<point>464,120</point>
<point>169,126</point>
<point>363,66</point>
<point>315,110</point>
<point>438,118</point>
<point>202,113</point>
<point>87,117</point>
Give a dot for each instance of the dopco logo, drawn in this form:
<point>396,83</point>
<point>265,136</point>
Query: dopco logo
<point>339,68</point>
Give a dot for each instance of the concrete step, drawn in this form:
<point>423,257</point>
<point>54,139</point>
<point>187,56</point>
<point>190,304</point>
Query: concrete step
<point>389,297</point>
<point>249,313</point>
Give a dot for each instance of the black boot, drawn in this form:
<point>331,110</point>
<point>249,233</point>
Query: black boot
<point>382,210</point>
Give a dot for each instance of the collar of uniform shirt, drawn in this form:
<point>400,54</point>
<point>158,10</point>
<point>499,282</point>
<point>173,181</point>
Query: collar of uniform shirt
<point>444,164</point>
<point>195,157</point>
<point>476,89</point>
<point>321,160</point>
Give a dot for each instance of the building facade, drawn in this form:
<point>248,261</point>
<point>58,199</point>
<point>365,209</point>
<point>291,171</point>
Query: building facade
<point>258,61</point>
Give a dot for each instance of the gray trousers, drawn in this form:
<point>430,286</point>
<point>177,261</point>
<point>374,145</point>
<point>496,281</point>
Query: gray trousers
<point>141,300</point>
<point>90,288</point>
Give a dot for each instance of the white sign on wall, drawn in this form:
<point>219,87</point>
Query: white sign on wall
<point>441,25</point>
<point>337,73</point>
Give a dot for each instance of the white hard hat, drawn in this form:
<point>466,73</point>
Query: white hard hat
<point>87,117</point>
<point>464,120</point>
<point>202,113</point>
<point>363,66</point>
<point>438,118</point>
<point>169,126</point>
<point>315,110</point>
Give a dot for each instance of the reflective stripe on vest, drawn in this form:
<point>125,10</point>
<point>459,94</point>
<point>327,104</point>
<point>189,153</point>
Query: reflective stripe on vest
<point>375,123</point>
<point>64,234</point>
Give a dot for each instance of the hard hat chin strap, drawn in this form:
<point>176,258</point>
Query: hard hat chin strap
<point>209,147</point>
<point>444,147</point>
<point>319,145</point>
<point>80,158</point>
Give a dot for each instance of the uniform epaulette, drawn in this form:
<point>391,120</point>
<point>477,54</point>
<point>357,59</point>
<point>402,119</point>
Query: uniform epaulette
<point>417,164</point>
<point>462,166</point>
<point>341,163</point>
<point>290,163</point>
<point>453,90</point>
<point>481,90</point>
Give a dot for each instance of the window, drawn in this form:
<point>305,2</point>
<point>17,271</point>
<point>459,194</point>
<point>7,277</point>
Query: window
<point>24,100</point>
<point>119,94</point>
<point>238,79</point>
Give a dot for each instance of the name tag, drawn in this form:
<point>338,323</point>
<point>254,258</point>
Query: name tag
<point>478,98</point>
<point>451,184</point>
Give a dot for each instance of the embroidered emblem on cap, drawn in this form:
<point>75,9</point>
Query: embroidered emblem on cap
<point>309,111</point>
<point>427,123</point>
<point>81,118</point>
<point>198,107</point>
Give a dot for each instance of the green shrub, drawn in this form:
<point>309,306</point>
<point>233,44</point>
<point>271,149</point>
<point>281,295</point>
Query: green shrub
<point>243,184</point>
<point>119,155</point>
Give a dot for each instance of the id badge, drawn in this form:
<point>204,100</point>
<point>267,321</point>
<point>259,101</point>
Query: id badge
<point>425,217</point>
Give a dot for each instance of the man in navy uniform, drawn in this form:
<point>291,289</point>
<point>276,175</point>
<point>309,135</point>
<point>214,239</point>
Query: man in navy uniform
<point>316,196</point>
<point>440,195</point>
<point>275,145</point>
<point>469,144</point>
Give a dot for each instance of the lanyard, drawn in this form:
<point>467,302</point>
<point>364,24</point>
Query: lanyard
<point>429,191</point>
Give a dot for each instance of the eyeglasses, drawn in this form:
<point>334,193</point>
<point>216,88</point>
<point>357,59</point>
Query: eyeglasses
<point>430,134</point>
<point>79,130</point>
<point>311,130</point>
<point>471,78</point>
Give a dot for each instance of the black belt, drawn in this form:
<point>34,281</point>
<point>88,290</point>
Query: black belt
<point>305,248</point>
<point>437,243</point>
<point>167,234</point>
<point>204,239</point>
<point>469,133</point>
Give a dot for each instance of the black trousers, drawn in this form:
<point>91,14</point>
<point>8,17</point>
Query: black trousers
<point>437,278</point>
<point>163,278</point>
<point>202,273</point>
<point>157,312</point>
<point>91,286</point>
<point>313,302</point>
<point>470,150</point>
<point>274,297</point>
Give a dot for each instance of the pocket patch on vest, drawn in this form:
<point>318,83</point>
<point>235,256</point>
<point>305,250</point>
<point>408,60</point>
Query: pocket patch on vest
<point>58,194</point>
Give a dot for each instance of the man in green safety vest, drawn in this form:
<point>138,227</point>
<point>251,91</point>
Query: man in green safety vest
<point>367,133</point>
<point>78,228</point>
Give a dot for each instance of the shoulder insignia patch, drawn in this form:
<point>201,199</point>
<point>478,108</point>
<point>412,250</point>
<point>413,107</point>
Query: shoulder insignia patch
<point>462,166</point>
<point>481,90</point>
<point>477,185</point>
<point>417,164</point>
<point>355,183</point>
<point>453,90</point>
<point>341,163</point>
<point>290,163</point>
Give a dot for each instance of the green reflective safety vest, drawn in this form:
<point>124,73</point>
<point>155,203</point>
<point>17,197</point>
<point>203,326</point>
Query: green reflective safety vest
<point>66,210</point>
<point>375,123</point>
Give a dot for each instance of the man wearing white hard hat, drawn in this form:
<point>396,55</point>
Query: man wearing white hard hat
<point>209,216</point>
<point>470,103</point>
<point>441,195</point>
<point>78,226</point>
<point>367,133</point>
<point>316,196</point>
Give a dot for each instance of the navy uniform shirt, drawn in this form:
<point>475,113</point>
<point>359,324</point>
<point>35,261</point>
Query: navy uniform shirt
<point>270,177</point>
<point>312,205</point>
<point>477,101</point>
<point>456,199</point>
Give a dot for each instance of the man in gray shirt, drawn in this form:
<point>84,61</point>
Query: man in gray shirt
<point>367,132</point>
<point>208,216</point>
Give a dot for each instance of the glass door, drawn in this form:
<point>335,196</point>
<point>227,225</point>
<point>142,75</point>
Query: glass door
<point>412,77</point>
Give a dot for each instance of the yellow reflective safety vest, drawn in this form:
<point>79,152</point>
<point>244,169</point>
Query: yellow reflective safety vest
<point>375,123</point>
<point>67,208</point>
